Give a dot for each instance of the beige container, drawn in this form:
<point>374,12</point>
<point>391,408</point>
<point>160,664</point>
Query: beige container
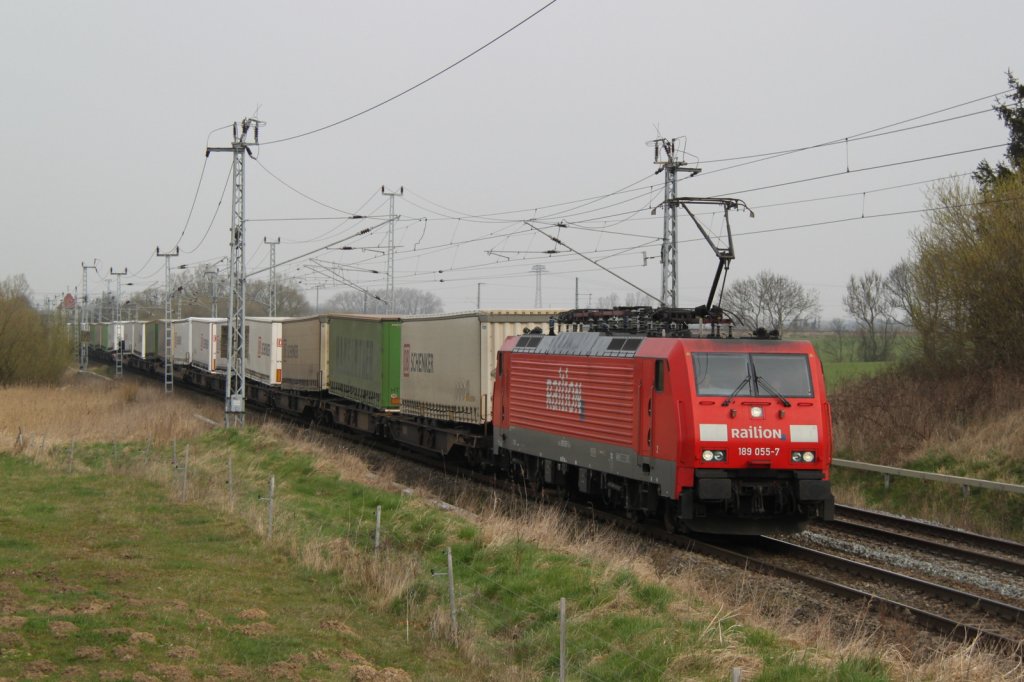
<point>304,357</point>
<point>448,361</point>
<point>204,340</point>
<point>182,333</point>
<point>264,338</point>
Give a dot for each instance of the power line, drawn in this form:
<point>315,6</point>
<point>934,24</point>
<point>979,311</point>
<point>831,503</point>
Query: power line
<point>417,85</point>
<point>857,136</point>
<point>216,212</point>
<point>866,168</point>
<point>300,192</point>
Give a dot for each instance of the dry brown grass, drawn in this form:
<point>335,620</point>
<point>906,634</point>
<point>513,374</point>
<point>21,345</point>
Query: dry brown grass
<point>978,442</point>
<point>88,409</point>
<point>890,417</point>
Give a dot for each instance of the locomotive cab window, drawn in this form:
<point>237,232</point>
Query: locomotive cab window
<point>752,374</point>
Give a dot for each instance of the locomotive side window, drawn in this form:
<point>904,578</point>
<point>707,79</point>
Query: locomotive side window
<point>721,373</point>
<point>659,375</point>
<point>756,374</point>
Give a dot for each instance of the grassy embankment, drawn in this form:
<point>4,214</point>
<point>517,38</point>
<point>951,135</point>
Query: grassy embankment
<point>972,427</point>
<point>113,565</point>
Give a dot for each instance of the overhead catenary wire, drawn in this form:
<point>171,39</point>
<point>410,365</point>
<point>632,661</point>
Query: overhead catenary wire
<point>848,138</point>
<point>587,218</point>
<point>862,170</point>
<point>417,85</point>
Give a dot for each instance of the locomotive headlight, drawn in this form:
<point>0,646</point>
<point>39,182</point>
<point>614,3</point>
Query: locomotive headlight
<point>797,456</point>
<point>808,456</point>
<point>757,412</point>
<point>707,456</point>
<point>719,455</point>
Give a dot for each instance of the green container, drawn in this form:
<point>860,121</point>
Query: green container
<point>103,332</point>
<point>365,359</point>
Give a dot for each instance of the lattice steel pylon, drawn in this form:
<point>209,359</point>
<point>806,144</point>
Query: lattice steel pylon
<point>670,237</point>
<point>273,274</point>
<point>83,318</point>
<point>389,303</point>
<point>119,346</point>
<point>168,323</point>
<point>538,297</point>
<point>234,383</point>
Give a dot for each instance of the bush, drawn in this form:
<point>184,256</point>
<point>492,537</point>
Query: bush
<point>885,417</point>
<point>34,346</point>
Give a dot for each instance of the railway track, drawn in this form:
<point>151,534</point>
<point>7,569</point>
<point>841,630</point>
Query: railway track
<point>948,611</point>
<point>865,518</point>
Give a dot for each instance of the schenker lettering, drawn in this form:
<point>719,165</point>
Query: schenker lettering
<point>756,432</point>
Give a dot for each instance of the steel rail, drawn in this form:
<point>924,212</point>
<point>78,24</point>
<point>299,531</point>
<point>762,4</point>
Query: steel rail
<point>943,532</point>
<point>966,555</point>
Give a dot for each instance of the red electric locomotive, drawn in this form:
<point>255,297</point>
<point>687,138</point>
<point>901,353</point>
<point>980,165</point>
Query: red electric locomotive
<point>713,435</point>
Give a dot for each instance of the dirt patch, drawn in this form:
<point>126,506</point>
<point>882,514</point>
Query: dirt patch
<point>285,670</point>
<point>126,652</point>
<point>253,614</point>
<point>91,608</point>
<point>234,672</point>
<point>73,672</point>
<point>176,605</point>
<point>207,618</point>
<point>38,669</point>
<point>182,653</point>
<point>62,628</point>
<point>11,591</point>
<point>145,637</point>
<point>171,673</point>
<point>117,632</point>
<point>74,589</point>
<point>367,673</point>
<point>90,653</point>
<point>353,657</point>
<point>336,626</point>
<point>60,611</point>
<point>12,640</point>
<point>133,602</point>
<point>113,676</point>
<point>254,629</point>
<point>12,622</point>
<point>143,677</point>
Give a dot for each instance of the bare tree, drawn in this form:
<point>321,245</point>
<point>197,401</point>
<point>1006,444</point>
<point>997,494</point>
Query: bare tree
<point>291,302</point>
<point>407,302</point>
<point>769,301</point>
<point>901,290</point>
<point>868,301</point>
<point>838,349</point>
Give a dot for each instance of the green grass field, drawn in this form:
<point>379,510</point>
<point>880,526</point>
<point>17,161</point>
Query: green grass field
<point>108,570</point>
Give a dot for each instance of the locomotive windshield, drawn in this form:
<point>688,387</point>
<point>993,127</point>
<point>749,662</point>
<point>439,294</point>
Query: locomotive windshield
<point>752,374</point>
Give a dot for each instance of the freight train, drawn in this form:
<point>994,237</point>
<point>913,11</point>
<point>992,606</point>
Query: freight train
<point>653,414</point>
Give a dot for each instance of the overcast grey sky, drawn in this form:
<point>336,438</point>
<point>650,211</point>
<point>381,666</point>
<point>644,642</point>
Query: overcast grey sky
<point>107,108</point>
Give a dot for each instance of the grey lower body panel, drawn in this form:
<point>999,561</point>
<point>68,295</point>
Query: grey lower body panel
<point>608,459</point>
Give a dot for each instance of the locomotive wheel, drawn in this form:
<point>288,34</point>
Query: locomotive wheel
<point>668,516</point>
